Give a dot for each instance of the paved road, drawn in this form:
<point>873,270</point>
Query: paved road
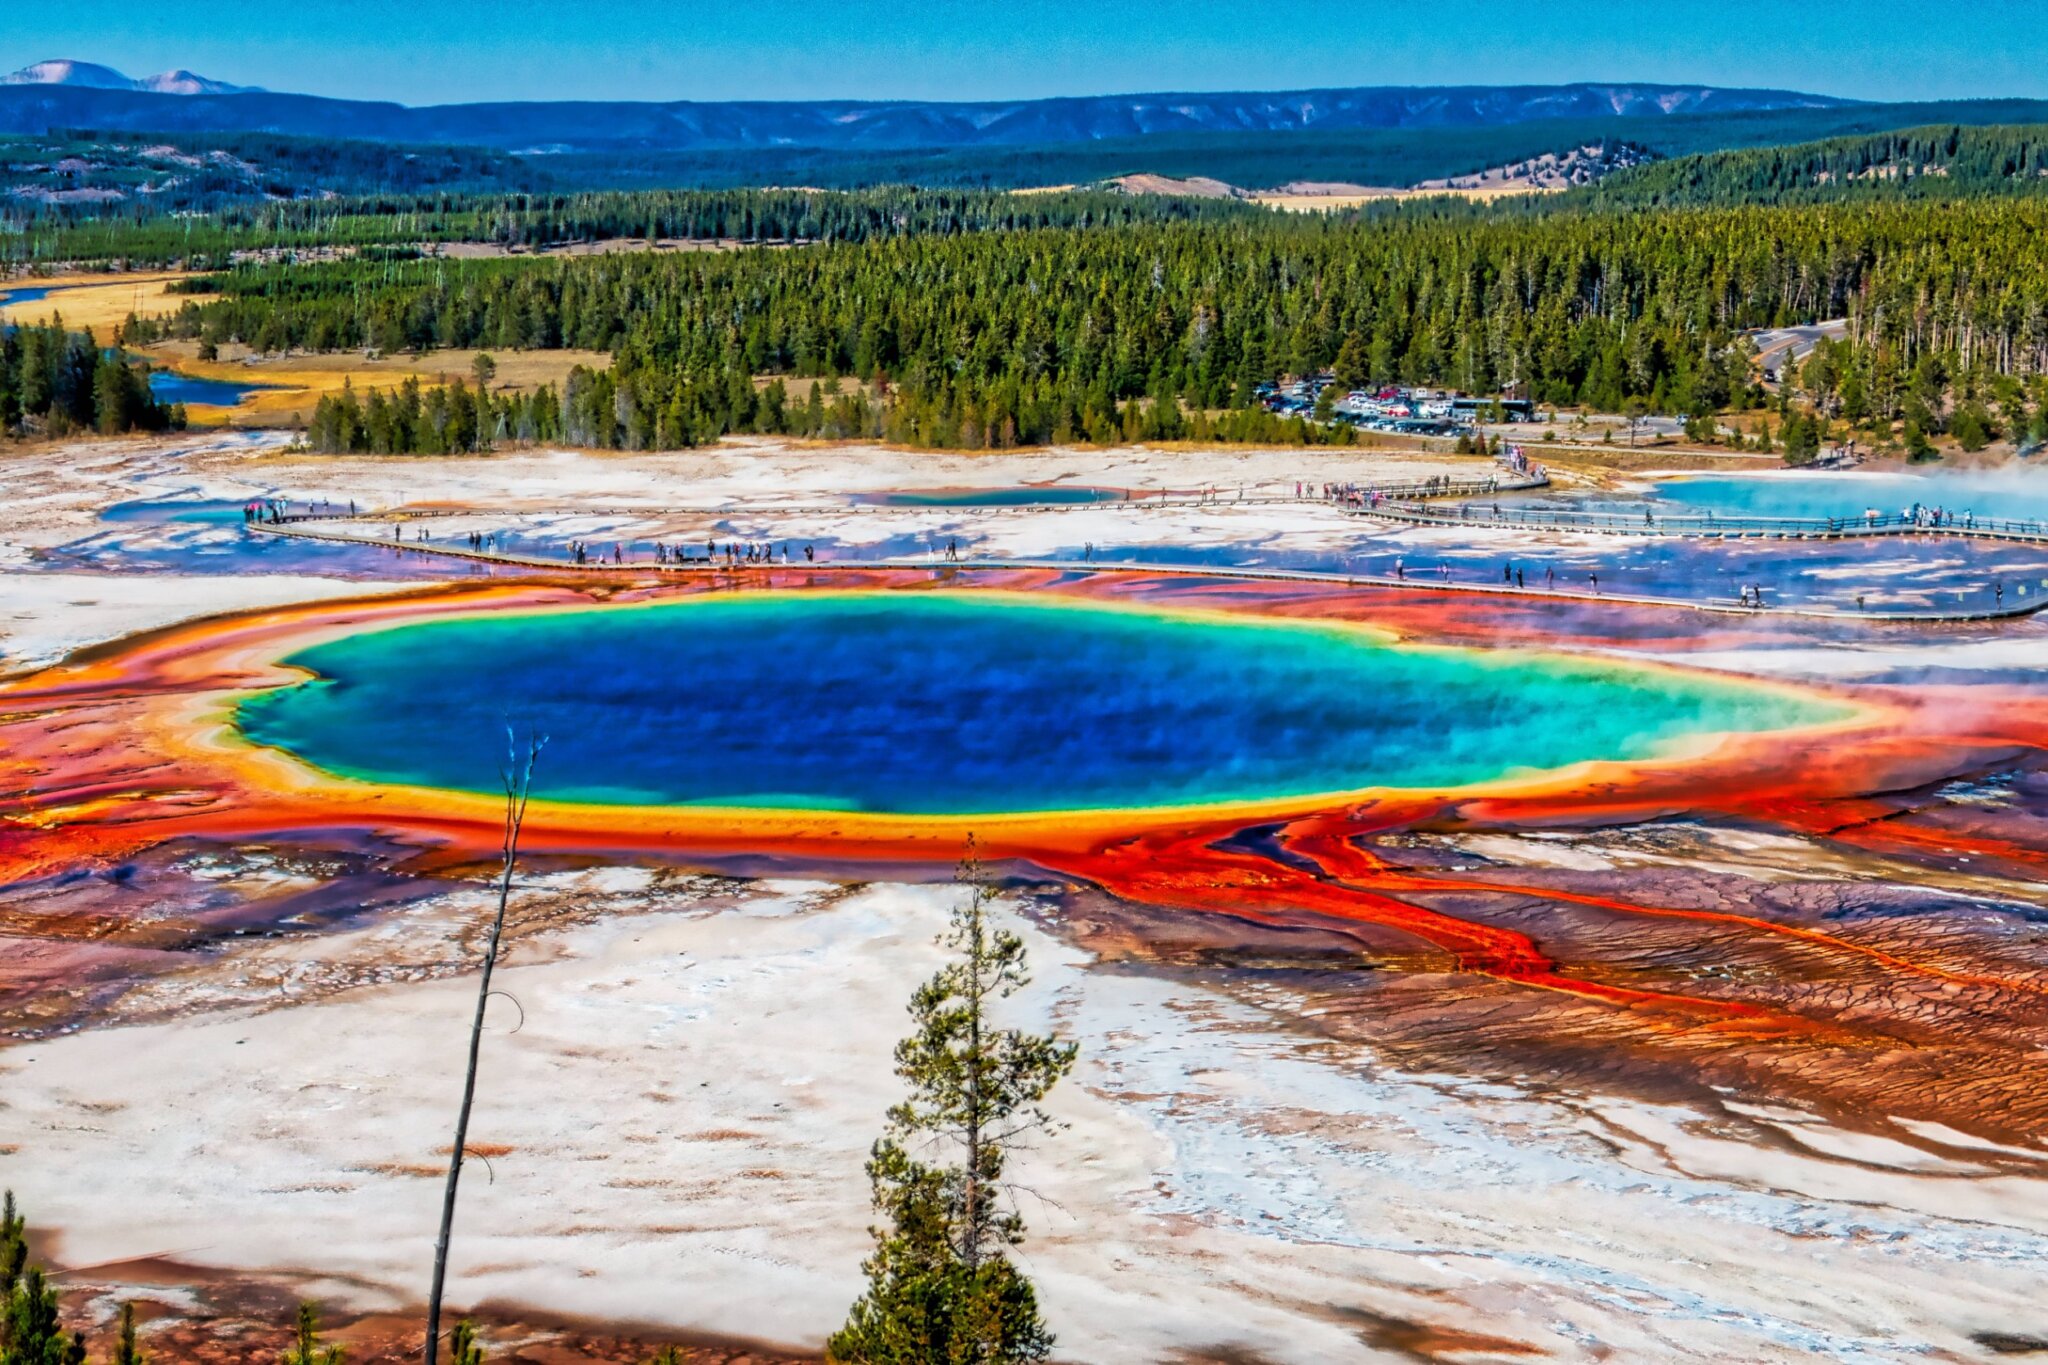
<point>1778,346</point>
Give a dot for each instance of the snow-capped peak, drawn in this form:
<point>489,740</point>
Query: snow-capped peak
<point>183,82</point>
<point>70,73</point>
<point>92,76</point>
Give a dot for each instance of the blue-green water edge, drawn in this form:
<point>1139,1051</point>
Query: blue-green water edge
<point>963,704</point>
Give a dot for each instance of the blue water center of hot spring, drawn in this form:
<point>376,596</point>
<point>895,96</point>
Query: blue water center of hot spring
<point>964,704</point>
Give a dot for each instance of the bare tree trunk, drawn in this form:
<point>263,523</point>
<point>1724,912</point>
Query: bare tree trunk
<point>518,784</point>
<point>971,1253</point>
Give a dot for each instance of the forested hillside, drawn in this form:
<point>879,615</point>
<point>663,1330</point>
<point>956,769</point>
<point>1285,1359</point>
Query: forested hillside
<point>526,221</point>
<point>1150,329</point>
<point>1946,161</point>
<point>87,174</point>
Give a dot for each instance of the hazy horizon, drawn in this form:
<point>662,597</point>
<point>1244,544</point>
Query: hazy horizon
<point>267,87</point>
<point>975,50</point>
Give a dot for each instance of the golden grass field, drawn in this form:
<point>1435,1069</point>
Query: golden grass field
<point>1323,203</point>
<point>301,380</point>
<point>610,246</point>
<point>799,390</point>
<point>98,301</point>
<point>1317,197</point>
<point>1355,195</point>
<point>102,301</point>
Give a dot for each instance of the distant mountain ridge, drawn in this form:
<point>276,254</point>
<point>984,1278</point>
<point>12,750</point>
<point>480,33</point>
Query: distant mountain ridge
<point>54,95</point>
<point>91,76</point>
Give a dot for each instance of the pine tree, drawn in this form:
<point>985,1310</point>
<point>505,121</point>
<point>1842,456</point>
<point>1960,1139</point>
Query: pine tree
<point>1801,439</point>
<point>1971,428</point>
<point>306,1348</point>
<point>1352,368</point>
<point>126,1349</point>
<point>32,1333</point>
<point>1634,411</point>
<point>13,1245</point>
<point>940,1286</point>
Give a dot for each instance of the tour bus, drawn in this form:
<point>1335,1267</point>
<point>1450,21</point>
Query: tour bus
<point>1511,409</point>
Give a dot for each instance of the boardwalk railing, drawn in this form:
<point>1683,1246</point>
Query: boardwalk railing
<point>1703,526</point>
<point>1360,495</point>
<point>698,567</point>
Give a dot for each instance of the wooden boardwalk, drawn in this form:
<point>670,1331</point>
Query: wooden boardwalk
<point>1482,516</point>
<point>301,528</point>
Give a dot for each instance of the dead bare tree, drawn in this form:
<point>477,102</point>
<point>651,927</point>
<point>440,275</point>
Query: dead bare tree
<point>518,775</point>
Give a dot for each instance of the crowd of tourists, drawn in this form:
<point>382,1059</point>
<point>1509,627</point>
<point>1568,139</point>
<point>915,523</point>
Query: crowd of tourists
<point>275,511</point>
<point>733,553</point>
<point>1934,518</point>
<point>1364,497</point>
<point>1514,577</point>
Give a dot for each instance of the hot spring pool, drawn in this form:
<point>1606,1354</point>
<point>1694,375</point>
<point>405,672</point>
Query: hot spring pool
<point>35,294</point>
<point>2017,493</point>
<point>964,704</point>
<point>168,386</point>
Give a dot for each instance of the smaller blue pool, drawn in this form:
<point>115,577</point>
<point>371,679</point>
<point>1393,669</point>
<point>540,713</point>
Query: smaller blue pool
<point>2016,492</point>
<point>187,511</point>
<point>171,387</point>
<point>990,497</point>
<point>34,295</point>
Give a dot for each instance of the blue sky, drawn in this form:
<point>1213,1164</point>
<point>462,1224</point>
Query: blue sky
<point>437,51</point>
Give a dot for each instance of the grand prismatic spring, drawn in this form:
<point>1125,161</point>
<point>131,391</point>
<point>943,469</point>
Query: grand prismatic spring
<point>967,703</point>
<point>1466,966</point>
